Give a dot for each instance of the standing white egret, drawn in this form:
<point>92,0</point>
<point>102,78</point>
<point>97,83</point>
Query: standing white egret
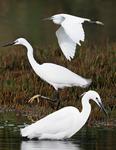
<point>70,33</point>
<point>63,123</point>
<point>56,75</point>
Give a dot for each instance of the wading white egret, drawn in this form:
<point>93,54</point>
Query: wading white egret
<point>63,123</point>
<point>70,32</point>
<point>56,75</point>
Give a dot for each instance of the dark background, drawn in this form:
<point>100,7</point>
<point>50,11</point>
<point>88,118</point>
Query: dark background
<point>24,19</point>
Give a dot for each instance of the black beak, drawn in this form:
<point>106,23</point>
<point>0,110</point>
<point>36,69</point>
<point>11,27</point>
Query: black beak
<point>8,44</point>
<point>49,18</point>
<point>102,107</point>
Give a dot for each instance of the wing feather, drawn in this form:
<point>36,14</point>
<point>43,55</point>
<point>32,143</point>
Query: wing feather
<point>67,45</point>
<point>74,29</point>
<point>54,123</point>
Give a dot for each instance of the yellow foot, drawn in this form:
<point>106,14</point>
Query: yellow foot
<point>36,97</point>
<point>38,100</point>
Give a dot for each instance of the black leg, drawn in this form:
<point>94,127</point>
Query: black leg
<point>56,96</point>
<point>58,104</point>
<point>56,99</point>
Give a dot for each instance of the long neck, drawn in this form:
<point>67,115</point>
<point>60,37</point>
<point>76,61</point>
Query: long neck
<point>31,59</point>
<point>86,109</point>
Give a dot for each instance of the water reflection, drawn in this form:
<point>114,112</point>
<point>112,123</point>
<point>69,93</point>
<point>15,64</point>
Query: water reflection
<point>86,139</point>
<point>49,145</point>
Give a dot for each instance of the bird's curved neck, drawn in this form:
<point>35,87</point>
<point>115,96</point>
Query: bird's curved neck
<point>86,108</point>
<point>30,56</point>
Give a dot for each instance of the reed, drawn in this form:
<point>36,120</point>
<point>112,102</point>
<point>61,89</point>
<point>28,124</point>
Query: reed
<point>18,82</point>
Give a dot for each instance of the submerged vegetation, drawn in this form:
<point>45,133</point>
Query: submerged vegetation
<point>18,82</point>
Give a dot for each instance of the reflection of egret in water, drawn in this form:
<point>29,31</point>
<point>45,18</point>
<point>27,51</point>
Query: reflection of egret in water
<point>49,145</point>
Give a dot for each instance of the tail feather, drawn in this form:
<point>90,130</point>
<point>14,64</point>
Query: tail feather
<point>23,132</point>
<point>88,82</point>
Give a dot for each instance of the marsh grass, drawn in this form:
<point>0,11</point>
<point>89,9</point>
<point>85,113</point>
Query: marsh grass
<point>18,82</point>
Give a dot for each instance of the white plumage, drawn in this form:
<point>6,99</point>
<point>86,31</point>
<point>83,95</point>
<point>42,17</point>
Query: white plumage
<point>70,33</point>
<point>66,43</point>
<point>56,75</point>
<point>60,77</point>
<point>63,123</point>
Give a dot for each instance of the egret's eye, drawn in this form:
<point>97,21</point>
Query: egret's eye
<point>96,98</point>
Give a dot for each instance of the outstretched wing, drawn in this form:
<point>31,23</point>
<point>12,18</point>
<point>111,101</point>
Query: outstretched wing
<point>67,45</point>
<point>74,29</point>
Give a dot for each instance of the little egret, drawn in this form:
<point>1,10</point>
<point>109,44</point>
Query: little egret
<point>56,75</point>
<point>70,33</point>
<point>63,123</point>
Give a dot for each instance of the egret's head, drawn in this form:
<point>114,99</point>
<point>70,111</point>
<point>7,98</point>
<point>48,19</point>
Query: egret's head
<point>57,19</point>
<point>93,95</point>
<point>19,41</point>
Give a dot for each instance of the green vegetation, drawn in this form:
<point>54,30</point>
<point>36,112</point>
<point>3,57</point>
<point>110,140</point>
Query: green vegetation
<point>18,82</point>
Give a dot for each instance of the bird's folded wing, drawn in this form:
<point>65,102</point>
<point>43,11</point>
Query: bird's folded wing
<point>67,45</point>
<point>54,123</point>
<point>74,29</point>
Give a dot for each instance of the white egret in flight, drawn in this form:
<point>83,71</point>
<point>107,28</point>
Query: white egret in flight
<point>56,75</point>
<point>63,123</point>
<point>70,32</point>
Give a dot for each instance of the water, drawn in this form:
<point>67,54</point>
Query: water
<point>85,139</point>
<point>88,138</point>
<point>24,19</point>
